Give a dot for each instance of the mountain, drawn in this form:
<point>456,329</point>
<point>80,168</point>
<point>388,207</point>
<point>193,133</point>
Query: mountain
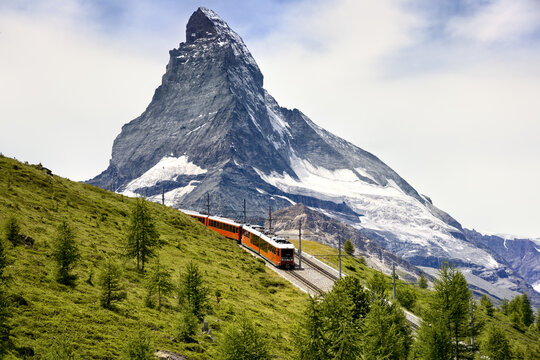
<point>212,132</point>
<point>520,254</point>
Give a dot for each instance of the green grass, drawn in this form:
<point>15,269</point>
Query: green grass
<point>40,202</point>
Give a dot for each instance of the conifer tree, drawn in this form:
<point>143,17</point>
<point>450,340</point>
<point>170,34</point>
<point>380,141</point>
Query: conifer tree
<point>446,317</point>
<point>192,291</point>
<point>65,253</point>
<point>242,340</point>
<point>527,314</point>
<point>487,305</point>
<point>187,325</point>
<point>496,345</point>
<point>142,237</point>
<point>109,281</point>
<point>159,284</point>
<point>11,230</point>
<point>349,248</point>
<point>377,284</point>
<point>422,281</point>
<point>386,334</point>
<point>310,337</point>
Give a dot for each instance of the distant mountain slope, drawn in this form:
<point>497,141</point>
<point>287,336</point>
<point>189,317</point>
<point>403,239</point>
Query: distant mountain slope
<point>211,129</point>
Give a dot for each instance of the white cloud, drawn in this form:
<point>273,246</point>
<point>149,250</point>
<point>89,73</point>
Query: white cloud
<point>498,21</point>
<point>65,94</point>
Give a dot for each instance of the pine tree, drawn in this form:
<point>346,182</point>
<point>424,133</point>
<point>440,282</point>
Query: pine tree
<point>242,340</point>
<point>496,345</point>
<point>142,237</point>
<point>187,325</point>
<point>109,281</point>
<point>377,284</point>
<point>386,334</point>
<point>192,292</point>
<point>527,314</point>
<point>12,230</point>
<point>446,317</point>
<point>159,284</point>
<point>487,305</point>
<point>65,253</point>
<point>310,338</point>
<point>422,281</point>
<point>349,248</point>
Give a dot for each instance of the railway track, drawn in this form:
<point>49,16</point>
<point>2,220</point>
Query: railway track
<point>319,268</point>
<point>305,281</point>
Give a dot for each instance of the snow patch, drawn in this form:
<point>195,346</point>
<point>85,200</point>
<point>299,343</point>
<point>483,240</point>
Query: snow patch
<point>166,169</point>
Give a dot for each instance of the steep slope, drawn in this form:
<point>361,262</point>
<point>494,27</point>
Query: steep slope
<point>212,130</point>
<point>46,313</point>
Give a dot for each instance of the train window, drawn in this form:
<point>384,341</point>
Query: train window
<point>272,249</point>
<point>264,246</point>
<point>287,253</point>
<point>255,240</point>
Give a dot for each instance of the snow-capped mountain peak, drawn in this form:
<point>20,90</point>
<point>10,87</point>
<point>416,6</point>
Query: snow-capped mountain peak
<point>236,142</point>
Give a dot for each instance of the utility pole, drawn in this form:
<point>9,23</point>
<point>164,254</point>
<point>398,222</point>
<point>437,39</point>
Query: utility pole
<point>162,196</point>
<point>244,211</point>
<point>300,245</point>
<point>339,257</point>
<point>208,203</point>
<point>394,280</point>
<point>270,219</point>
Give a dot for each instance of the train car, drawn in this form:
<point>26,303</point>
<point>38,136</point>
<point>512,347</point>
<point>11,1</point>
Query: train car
<point>225,227</point>
<point>201,217</point>
<point>276,249</point>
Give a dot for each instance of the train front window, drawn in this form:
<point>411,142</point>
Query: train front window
<point>287,253</point>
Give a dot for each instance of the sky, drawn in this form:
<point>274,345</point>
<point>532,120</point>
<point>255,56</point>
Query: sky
<point>445,92</point>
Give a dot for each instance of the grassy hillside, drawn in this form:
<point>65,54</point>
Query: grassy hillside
<point>45,309</point>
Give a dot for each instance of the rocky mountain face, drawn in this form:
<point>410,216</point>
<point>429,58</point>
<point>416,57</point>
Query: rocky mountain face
<point>212,131</point>
<point>520,254</point>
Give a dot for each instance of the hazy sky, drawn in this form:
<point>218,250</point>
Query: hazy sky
<point>445,92</point>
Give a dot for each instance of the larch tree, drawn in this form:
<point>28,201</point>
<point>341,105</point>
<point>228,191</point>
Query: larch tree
<point>65,253</point>
<point>109,281</point>
<point>496,345</point>
<point>386,334</point>
<point>192,292</point>
<point>159,284</point>
<point>422,281</point>
<point>12,230</point>
<point>242,340</point>
<point>445,321</point>
<point>348,248</point>
<point>142,236</point>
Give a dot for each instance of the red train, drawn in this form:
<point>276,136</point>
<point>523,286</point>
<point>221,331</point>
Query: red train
<point>275,249</point>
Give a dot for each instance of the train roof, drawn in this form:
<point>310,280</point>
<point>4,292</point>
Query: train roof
<point>193,213</point>
<point>275,241</point>
<point>224,220</point>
